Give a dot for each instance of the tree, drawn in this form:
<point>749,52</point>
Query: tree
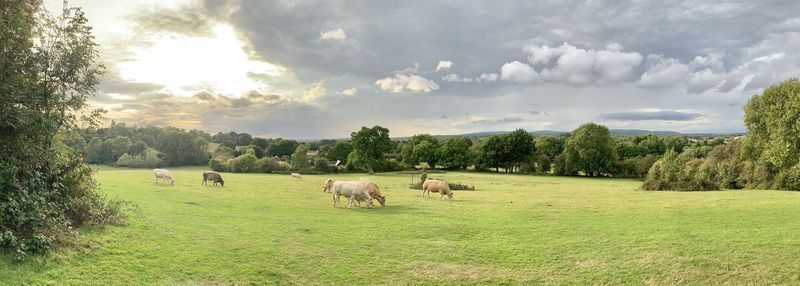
<point>519,148</point>
<point>340,151</point>
<point>493,152</point>
<point>420,148</point>
<point>771,121</point>
<point>117,146</point>
<point>590,150</point>
<point>369,147</point>
<point>454,153</point>
<point>281,147</point>
<point>549,146</point>
<point>48,69</point>
<point>299,157</point>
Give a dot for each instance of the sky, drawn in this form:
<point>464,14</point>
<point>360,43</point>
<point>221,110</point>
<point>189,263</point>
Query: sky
<point>322,69</point>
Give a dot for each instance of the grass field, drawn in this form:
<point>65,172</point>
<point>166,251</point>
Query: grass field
<point>268,229</point>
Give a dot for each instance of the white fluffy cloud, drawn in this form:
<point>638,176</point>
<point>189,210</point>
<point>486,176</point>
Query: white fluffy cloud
<point>570,64</point>
<point>444,65</point>
<point>349,91</point>
<point>517,72</point>
<point>664,72</point>
<point>337,34</point>
<point>406,82</point>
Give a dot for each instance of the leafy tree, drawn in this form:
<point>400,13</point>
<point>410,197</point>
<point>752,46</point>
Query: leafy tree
<point>281,147</point>
<point>420,148</point>
<point>118,146</point>
<point>369,147</point>
<point>299,157</point>
<point>48,68</point>
<point>493,152</point>
<point>550,146</point>
<point>340,151</point>
<point>137,148</point>
<point>519,147</point>
<point>590,150</point>
<point>454,153</point>
<point>771,120</point>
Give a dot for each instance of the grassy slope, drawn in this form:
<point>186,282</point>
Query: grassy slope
<point>269,229</point>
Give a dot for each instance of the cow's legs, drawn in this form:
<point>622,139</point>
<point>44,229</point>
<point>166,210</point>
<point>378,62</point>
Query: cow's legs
<point>349,201</point>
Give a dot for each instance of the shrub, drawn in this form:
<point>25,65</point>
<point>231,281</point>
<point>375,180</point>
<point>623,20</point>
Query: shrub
<point>148,159</point>
<point>322,165</point>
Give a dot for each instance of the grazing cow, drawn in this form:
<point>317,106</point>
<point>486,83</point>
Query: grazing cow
<point>213,176</point>
<point>205,176</point>
<point>374,192</point>
<point>296,176</point>
<point>351,190</point>
<point>164,174</point>
<point>436,186</point>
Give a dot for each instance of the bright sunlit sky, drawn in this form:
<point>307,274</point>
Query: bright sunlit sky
<point>321,69</point>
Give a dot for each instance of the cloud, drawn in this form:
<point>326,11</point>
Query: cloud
<point>486,121</point>
<point>665,115</point>
<point>337,34</point>
<point>570,64</point>
<point>664,72</point>
<point>484,77</point>
<point>406,82</point>
<point>517,72</point>
<point>488,77</point>
<point>349,91</point>
<point>444,65</point>
<point>316,91</point>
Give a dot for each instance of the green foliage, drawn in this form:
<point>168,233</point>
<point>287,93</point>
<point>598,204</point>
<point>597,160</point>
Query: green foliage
<point>48,69</point>
<point>590,151</point>
<point>771,119</point>
<point>369,147</point>
<point>282,147</point>
<point>182,148</point>
<point>549,146</point>
<point>150,158</point>
<point>299,157</point>
<point>674,173</point>
<point>340,151</point>
<point>454,153</point>
<point>420,148</point>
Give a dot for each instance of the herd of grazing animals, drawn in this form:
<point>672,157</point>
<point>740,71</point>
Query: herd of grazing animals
<point>359,191</point>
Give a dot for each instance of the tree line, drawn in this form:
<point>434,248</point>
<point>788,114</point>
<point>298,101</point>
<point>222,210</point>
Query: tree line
<point>589,150</point>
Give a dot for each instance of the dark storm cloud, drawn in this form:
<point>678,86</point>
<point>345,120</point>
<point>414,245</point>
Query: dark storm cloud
<point>652,115</point>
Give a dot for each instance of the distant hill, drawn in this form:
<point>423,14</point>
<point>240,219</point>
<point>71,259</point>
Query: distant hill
<point>614,132</point>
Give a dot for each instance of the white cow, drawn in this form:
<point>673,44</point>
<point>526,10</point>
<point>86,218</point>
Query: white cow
<point>164,174</point>
<point>296,176</point>
<point>351,190</point>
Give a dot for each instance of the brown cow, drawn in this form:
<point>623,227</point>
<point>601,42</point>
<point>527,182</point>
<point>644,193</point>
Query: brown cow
<point>436,186</point>
<point>374,192</point>
<point>213,176</point>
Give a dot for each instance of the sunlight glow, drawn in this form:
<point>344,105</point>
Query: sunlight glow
<point>185,65</point>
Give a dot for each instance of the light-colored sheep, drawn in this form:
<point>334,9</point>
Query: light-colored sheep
<point>436,186</point>
<point>164,174</point>
<point>351,190</point>
<point>296,176</point>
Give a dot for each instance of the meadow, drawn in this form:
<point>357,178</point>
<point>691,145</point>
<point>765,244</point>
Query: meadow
<point>263,229</point>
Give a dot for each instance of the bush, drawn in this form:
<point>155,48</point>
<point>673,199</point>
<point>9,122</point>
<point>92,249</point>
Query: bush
<point>675,173</point>
<point>560,165</point>
<point>150,158</point>
<point>322,165</point>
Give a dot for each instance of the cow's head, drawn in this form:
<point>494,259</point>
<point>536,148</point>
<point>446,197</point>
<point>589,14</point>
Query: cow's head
<point>327,186</point>
<point>221,181</point>
<point>381,200</point>
<point>450,195</point>
<point>171,181</point>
